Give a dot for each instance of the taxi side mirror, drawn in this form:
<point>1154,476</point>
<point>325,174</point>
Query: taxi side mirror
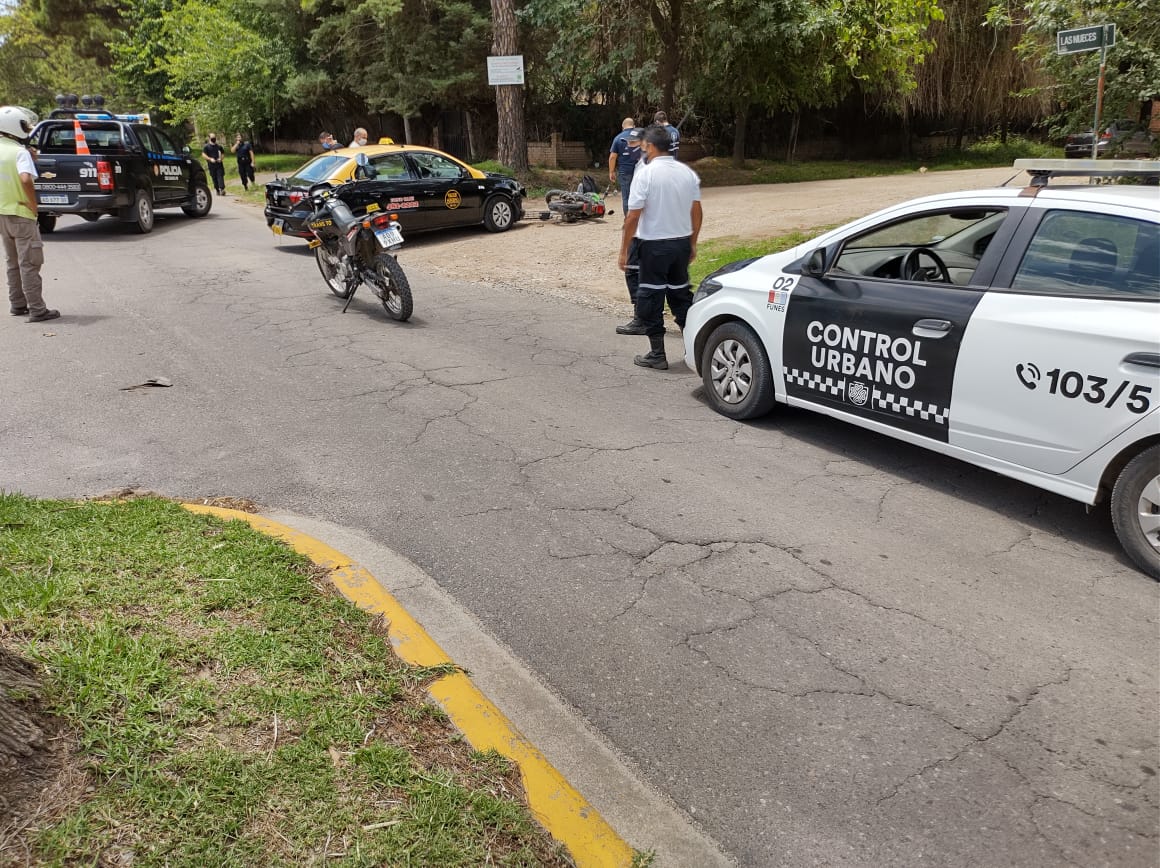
<point>815,265</point>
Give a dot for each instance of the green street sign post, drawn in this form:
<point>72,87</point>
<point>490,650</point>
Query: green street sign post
<point>1101,36</point>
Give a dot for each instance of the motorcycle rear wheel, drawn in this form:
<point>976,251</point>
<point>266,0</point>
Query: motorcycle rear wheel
<point>329,264</point>
<point>392,287</point>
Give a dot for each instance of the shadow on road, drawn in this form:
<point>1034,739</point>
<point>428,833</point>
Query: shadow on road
<point>109,230</point>
<point>1042,510</point>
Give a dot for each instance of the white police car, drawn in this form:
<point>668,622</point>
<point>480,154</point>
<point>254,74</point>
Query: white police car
<point>1014,328</point>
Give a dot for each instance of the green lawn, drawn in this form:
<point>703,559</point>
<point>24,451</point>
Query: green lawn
<point>229,708</point>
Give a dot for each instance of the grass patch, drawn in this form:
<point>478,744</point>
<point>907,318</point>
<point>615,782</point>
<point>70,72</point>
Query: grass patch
<point>716,252</point>
<point>229,708</point>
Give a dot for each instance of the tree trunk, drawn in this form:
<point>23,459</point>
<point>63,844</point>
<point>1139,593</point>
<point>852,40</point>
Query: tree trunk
<point>668,28</point>
<point>791,145</point>
<point>740,125</point>
<point>19,735</point>
<point>406,130</point>
<point>509,98</point>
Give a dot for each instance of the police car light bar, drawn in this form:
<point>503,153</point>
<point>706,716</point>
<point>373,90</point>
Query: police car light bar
<point>1041,171</point>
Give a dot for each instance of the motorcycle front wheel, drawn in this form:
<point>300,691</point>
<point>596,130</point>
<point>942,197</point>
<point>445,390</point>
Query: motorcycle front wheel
<point>392,288</point>
<point>330,264</point>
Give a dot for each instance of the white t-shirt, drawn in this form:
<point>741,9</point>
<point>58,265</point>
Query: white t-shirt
<point>666,190</point>
<point>25,164</point>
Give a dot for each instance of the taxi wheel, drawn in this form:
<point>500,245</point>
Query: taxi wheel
<point>498,214</point>
<point>736,373</point>
<point>1136,510</point>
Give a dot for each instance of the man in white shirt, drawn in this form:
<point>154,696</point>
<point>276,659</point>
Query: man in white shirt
<point>664,213</point>
<point>18,228</point>
<point>360,138</point>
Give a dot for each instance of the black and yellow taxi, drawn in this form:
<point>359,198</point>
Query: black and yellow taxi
<point>427,188</point>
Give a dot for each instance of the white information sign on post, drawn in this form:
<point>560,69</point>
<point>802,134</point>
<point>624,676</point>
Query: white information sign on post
<point>507,69</point>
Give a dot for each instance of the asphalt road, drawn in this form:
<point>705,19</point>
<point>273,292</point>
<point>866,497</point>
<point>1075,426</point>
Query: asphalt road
<point>828,648</point>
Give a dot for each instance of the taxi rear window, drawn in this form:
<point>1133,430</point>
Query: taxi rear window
<point>319,169</point>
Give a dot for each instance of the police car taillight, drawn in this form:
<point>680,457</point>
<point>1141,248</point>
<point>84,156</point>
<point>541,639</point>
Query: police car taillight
<point>104,176</point>
<point>295,198</point>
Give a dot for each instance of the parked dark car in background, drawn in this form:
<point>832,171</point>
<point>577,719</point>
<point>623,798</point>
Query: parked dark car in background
<point>1120,138</point>
<point>427,188</point>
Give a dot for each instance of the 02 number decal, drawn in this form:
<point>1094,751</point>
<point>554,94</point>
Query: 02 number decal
<point>1093,389</point>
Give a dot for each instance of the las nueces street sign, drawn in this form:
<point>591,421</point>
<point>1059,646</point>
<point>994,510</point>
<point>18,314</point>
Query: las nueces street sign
<point>1085,39</point>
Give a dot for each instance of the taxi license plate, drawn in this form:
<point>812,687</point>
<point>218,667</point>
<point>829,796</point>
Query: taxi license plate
<point>389,237</point>
<point>46,199</point>
<point>276,226</point>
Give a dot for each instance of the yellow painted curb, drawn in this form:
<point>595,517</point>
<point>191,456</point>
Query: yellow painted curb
<point>555,803</point>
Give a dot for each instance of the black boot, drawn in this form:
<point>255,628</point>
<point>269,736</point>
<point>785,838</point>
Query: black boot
<point>656,354</point>
<point>633,327</point>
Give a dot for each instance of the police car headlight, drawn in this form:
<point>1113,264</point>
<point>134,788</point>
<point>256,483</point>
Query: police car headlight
<point>710,284</point>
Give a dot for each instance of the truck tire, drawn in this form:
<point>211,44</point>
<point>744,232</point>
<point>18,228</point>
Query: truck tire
<point>46,222</point>
<point>200,201</point>
<point>140,215</point>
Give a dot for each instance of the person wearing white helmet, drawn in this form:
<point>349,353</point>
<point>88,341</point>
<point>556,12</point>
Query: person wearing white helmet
<point>18,230</point>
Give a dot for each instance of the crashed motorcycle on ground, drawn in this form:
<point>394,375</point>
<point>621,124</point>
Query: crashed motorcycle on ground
<point>580,204</point>
<point>354,242</point>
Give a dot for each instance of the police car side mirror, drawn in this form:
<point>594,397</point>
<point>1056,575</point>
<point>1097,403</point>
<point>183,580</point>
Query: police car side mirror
<point>185,150</point>
<point>815,266</point>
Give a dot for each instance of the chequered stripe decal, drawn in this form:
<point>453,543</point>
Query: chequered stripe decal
<point>902,404</point>
<point>814,381</point>
<point>881,400</point>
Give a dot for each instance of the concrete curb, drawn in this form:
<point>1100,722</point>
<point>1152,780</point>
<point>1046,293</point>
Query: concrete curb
<point>609,782</point>
<point>554,802</point>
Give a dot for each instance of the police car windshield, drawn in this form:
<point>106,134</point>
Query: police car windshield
<point>319,169</point>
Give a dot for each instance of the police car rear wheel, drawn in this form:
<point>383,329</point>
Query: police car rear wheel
<point>1136,510</point>
<point>141,214</point>
<point>498,215</point>
<point>736,373</point>
<point>46,222</point>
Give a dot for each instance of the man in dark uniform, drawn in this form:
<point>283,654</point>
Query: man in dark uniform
<point>214,154</point>
<point>674,134</point>
<point>622,158</point>
<point>664,215</point>
<point>245,154</point>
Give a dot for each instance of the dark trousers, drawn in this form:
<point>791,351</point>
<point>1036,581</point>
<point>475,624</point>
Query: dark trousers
<point>217,173</point>
<point>664,275</point>
<point>632,270</point>
<point>624,181</point>
<point>246,173</point>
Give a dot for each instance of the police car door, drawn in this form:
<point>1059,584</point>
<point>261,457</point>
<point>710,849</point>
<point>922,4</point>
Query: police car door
<point>1063,354</point>
<point>876,334</point>
<point>169,177</point>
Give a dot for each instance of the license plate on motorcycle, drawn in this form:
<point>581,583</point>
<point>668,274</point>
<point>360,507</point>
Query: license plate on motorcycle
<point>277,227</point>
<point>389,237</point>
<point>53,200</point>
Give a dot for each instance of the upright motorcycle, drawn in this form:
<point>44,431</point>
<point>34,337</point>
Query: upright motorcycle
<point>355,248</point>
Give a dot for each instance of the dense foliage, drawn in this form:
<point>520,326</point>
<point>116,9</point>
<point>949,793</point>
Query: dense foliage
<point>964,67</point>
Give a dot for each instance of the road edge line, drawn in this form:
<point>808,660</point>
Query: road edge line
<point>556,804</point>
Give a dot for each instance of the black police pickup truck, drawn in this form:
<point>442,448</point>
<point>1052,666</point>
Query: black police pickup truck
<point>114,166</point>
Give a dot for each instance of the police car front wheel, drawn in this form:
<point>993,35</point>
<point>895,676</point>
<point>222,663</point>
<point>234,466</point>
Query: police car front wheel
<point>736,373</point>
<point>1136,510</point>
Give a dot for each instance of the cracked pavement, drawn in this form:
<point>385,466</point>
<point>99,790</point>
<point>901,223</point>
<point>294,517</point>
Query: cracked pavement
<point>825,646</point>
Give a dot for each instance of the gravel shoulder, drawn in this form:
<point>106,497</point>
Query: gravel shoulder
<point>578,260</point>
